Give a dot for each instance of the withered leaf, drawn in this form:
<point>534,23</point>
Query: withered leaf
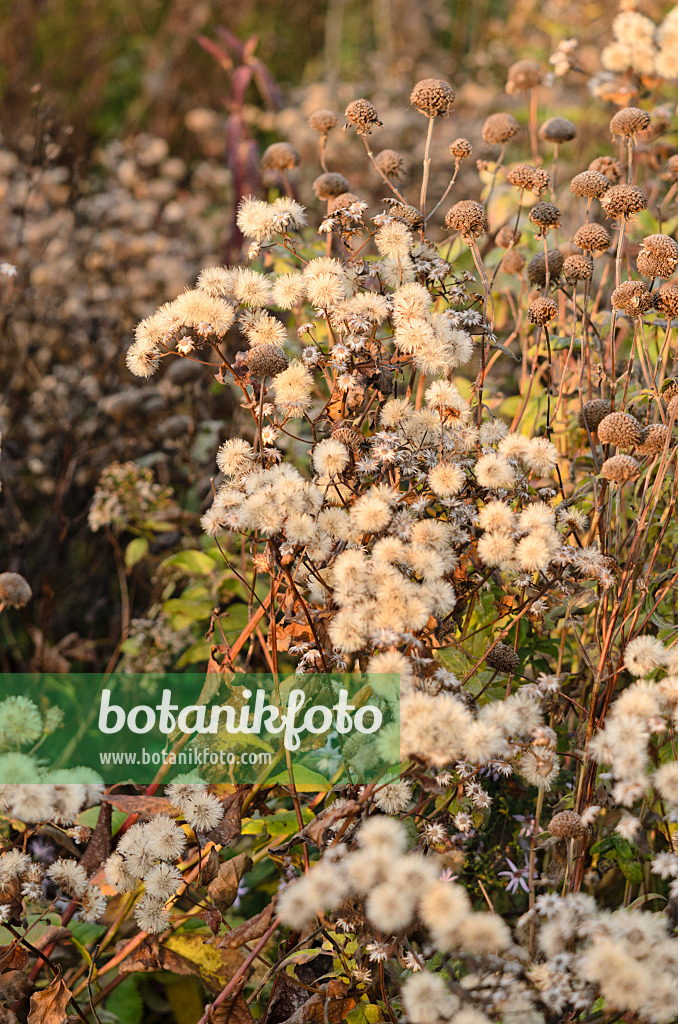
<point>151,956</point>
<point>49,1006</point>
<point>316,832</point>
<point>13,958</point>
<point>210,867</point>
<point>213,920</point>
<point>145,806</point>
<point>249,930</point>
<point>233,1011</point>
<point>229,827</point>
<point>100,843</point>
<point>223,889</point>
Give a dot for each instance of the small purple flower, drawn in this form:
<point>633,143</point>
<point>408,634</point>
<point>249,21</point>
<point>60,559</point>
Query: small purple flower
<point>517,877</point>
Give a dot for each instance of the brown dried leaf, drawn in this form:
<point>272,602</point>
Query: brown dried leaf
<point>248,930</point>
<point>145,806</point>
<point>100,843</point>
<point>151,956</point>
<point>13,958</point>
<point>234,1011</point>
<point>213,920</point>
<point>49,1006</point>
<point>223,889</point>
<point>229,827</point>
<point>210,867</point>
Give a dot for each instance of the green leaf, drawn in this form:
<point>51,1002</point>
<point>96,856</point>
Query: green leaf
<point>135,551</point>
<point>364,1013</point>
<point>125,1003</point>
<point>197,563</point>
<point>199,651</point>
<point>85,933</point>
<point>90,817</point>
<point>305,780</point>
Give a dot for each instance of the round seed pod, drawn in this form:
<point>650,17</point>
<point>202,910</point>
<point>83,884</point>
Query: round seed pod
<point>632,298</point>
<point>669,389</point>
<point>341,202</point>
<point>578,268</point>
<point>658,256</point>
<point>432,97</point>
<point>653,439</point>
<point>391,163</point>
<point>672,407</point>
<point>344,431</point>
<point>622,200</point>
<point>589,184</point>
<point>280,156</point>
<point>665,300</point>
<point>468,217</point>
<point>523,75</point>
<point>557,129</point>
<point>513,262</point>
<point>522,176</point>
<point>503,658</point>
<point>541,181</point>
<point>609,166</point>
<point>536,268</point>
<point>506,237</point>
<point>620,468</point>
<point>593,413</point>
<point>362,115</point>
<point>629,121</point>
<point>460,149</point>
<point>15,591</point>
<point>266,360</point>
<point>592,238</point>
<point>499,128</point>
<point>542,311</point>
<point>322,121</point>
<point>330,184</point>
<point>672,167</point>
<point>566,825</point>
<point>545,215</point>
<point>410,215</point>
<point>620,429</point>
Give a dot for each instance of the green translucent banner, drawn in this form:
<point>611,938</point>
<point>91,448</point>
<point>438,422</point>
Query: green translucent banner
<point>224,728</point>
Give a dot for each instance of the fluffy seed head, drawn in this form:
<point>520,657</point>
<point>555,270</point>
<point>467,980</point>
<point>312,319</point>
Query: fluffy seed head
<point>329,185</point>
<point>499,128</point>
<point>391,163</point>
<point>468,217</point>
<point>566,825</point>
<point>621,429</point>
<point>536,268</point>
<point>266,360</point>
<point>594,412</point>
<point>629,121</point>
<point>557,129</point>
<point>589,184</point>
<point>322,121</point>
<point>578,268</point>
<point>432,97</point>
<point>523,75</point>
<point>632,298</point>
<point>620,468</point>
<point>14,590</point>
<point>592,238</point>
<point>503,658</point>
<point>545,215</point>
<point>460,149</point>
<point>653,439</point>
<point>362,115</point>
<point>609,166</point>
<point>280,156</point>
<point>623,200</point>
<point>658,256</point>
<point>542,311</point>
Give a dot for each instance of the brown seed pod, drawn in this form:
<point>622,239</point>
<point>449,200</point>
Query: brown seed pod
<point>330,184</point>
<point>629,121</point>
<point>566,825</point>
<point>409,215</point>
<point>593,413</point>
<point>545,215</point>
<point>592,238</point>
<point>672,167</point>
<point>503,658</point>
<point>523,75</point>
<point>499,128</point>
<point>620,468</point>
<point>536,268</point>
<point>344,431</point>
<point>391,163</point>
<point>468,217</point>
<point>589,184</point>
<point>460,149</point>
<point>506,237</point>
<point>609,166</point>
<point>542,311</point>
<point>513,262</point>
<point>632,298</point>
<point>557,129</point>
<point>672,407</point>
<point>15,591</point>
<point>669,389</point>
<point>653,439</point>
<point>432,97</point>
<point>341,202</point>
<point>266,360</point>
<point>658,256</point>
<point>322,121</point>
<point>522,176</point>
<point>280,156</point>
<point>362,115</point>
<point>623,200</point>
<point>665,299</point>
<point>620,429</point>
<point>577,268</point>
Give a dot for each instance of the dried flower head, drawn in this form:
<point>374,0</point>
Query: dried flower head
<point>629,121</point>
<point>609,166</point>
<point>391,163</point>
<point>653,439</point>
<point>499,128</point>
<point>266,360</point>
<point>362,115</point>
<point>513,262</point>
<point>507,237</point>
<point>665,299</point>
<point>658,256</point>
<point>566,825</point>
<point>577,268</point>
<point>529,178</point>
<point>460,149</point>
<point>592,238</point>
<point>280,156</point>
<point>410,215</point>
<point>503,658</point>
<point>672,167</point>
<point>536,268</point>
<point>557,129</point>
<point>523,75</point>
<point>432,97</point>
<point>15,591</point>
<point>593,413</point>
<point>623,200</point>
<point>632,298</point>
<point>322,121</point>
<point>545,216</point>
<point>621,429</point>
<point>468,217</point>
<point>542,311</point>
<point>589,184</point>
<point>330,184</point>
<point>620,468</point>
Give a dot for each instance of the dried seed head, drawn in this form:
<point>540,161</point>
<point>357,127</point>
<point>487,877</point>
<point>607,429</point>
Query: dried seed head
<point>632,298</point>
<point>566,825</point>
<point>536,268</point>
<point>503,658</point>
<point>460,149</point>
<point>433,97</point>
<point>622,200</point>
<point>499,128</point>
<point>391,163</point>
<point>266,360</point>
<point>592,238</point>
<point>506,236</point>
<point>523,75</point>
<point>578,268</point>
<point>653,439</point>
<point>620,429</point>
<point>609,166</point>
<point>513,262</point>
<point>341,202</point>
<point>410,215</point>
<point>557,129</point>
<point>672,167</point>
<point>344,431</point>
<point>469,217</point>
<point>322,121</point>
<point>589,184</point>
<point>593,413</point>
<point>15,591</point>
<point>672,407</point>
<point>532,179</point>
<point>330,184</point>
<point>620,468</point>
<point>362,115</point>
<point>665,300</point>
<point>658,256</point>
<point>542,311</point>
<point>669,390</point>
<point>280,157</point>
<point>545,215</point>
<point>629,121</point>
